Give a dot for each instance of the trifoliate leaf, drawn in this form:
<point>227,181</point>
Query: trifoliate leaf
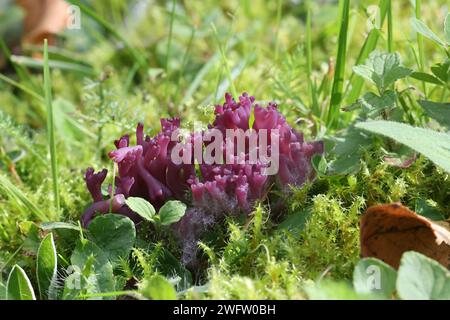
<point>382,69</point>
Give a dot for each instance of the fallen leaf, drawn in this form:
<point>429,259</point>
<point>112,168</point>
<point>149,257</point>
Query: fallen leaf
<point>43,20</point>
<point>387,231</point>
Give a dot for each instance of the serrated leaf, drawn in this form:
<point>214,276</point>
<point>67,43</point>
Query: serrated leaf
<point>158,288</point>
<point>171,212</point>
<point>19,286</point>
<point>373,276</point>
<point>432,144</point>
<point>114,234</point>
<point>421,278</point>
<point>373,105</point>
<point>142,207</point>
<point>382,69</point>
<point>423,29</point>
<point>437,111</point>
<point>46,265</point>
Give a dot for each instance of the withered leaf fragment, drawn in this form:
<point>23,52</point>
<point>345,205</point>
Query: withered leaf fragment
<point>387,231</point>
<point>43,20</point>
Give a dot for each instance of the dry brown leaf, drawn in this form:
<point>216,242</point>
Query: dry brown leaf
<point>387,231</point>
<point>43,19</point>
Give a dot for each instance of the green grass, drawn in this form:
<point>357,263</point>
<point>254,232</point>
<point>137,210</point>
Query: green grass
<point>337,91</point>
<point>51,129</point>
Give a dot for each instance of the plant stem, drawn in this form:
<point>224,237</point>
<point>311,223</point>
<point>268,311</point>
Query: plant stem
<point>225,62</point>
<point>185,60</point>
<point>169,48</point>
<point>113,186</point>
<point>390,27</point>
<point>50,127</point>
<point>277,35</point>
<point>420,44</point>
<point>313,101</point>
<point>100,113</point>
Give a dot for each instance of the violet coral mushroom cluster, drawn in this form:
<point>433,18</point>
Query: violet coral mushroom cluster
<point>146,170</point>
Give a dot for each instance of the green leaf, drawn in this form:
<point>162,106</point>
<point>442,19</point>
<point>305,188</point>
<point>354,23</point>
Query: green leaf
<point>428,211</point>
<point>171,267</point>
<point>373,105</point>
<point>375,277</point>
<point>421,278</point>
<point>46,265</point>
<point>442,71</point>
<point>423,29</point>
<point>46,226</point>
<point>319,164</point>
<point>346,164</point>
<point>447,28</point>
<point>91,271</point>
<point>158,288</point>
<point>32,241</point>
<point>171,212</point>
<point>2,291</point>
<point>432,144</point>
<point>142,207</point>
<point>19,286</point>
<point>438,111</point>
<point>422,76</point>
<point>348,149</point>
<point>382,69</point>
<point>114,234</point>
<point>296,222</point>
<point>332,290</point>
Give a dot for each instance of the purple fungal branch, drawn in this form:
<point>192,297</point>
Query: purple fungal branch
<point>229,186</point>
<point>144,170</point>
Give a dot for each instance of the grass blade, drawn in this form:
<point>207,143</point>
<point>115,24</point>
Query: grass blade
<point>14,193</point>
<point>311,87</point>
<point>420,45</point>
<point>225,62</point>
<point>338,81</point>
<point>54,64</point>
<point>277,34</point>
<point>169,47</point>
<point>50,127</point>
<point>390,26</point>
